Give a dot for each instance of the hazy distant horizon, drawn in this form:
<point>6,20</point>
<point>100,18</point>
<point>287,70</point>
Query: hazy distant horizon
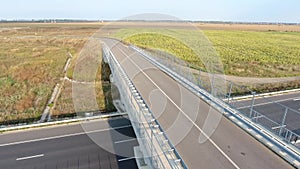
<point>61,20</point>
<point>268,11</point>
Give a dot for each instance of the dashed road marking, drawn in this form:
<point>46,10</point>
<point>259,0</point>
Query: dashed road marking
<point>125,159</point>
<point>297,163</point>
<point>282,153</point>
<point>270,144</point>
<point>124,141</point>
<point>29,157</point>
<point>231,117</point>
<point>258,136</point>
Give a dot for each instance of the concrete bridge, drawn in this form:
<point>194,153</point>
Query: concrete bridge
<point>179,125</point>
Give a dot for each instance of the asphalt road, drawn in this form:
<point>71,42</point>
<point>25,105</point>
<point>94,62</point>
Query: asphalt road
<point>182,114</point>
<point>274,111</point>
<point>90,145</point>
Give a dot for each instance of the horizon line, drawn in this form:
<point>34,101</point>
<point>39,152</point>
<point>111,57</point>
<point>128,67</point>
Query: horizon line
<point>66,20</point>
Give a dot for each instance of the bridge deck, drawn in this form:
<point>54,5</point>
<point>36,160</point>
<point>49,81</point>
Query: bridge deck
<point>182,114</point>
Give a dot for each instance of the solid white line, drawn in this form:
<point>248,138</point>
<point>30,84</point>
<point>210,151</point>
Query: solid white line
<point>208,138</point>
<point>29,157</point>
<point>62,136</point>
<point>123,141</point>
<point>265,103</point>
<point>125,159</point>
<point>55,123</point>
<point>270,94</point>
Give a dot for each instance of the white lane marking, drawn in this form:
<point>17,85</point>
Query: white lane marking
<point>282,153</point>
<point>29,157</point>
<point>124,141</point>
<point>297,163</point>
<point>296,99</point>
<point>205,135</point>
<point>270,144</point>
<point>265,103</point>
<point>258,136</point>
<point>125,159</point>
<point>62,136</point>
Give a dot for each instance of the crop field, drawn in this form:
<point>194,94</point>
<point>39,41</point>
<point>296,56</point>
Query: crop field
<point>243,53</point>
<point>33,56</point>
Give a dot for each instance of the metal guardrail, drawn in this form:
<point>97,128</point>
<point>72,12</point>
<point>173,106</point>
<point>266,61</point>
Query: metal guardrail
<point>272,123</point>
<point>229,91</point>
<point>281,143</point>
<point>157,150</point>
<point>60,121</point>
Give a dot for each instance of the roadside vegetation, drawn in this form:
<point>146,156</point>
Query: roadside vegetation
<point>32,59</point>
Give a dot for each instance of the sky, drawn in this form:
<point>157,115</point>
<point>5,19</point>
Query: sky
<point>287,11</point>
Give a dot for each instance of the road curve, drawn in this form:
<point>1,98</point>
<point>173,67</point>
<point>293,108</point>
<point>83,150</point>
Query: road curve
<point>174,107</point>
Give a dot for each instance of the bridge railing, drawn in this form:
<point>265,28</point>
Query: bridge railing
<point>202,84</point>
<point>232,96</point>
<point>277,118</point>
<point>158,152</point>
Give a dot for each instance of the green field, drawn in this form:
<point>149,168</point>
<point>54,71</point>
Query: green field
<point>243,53</point>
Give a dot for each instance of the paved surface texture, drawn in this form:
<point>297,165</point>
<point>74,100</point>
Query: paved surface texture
<point>71,146</point>
<point>174,106</point>
<point>275,112</point>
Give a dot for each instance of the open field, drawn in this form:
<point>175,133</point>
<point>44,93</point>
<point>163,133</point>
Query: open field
<point>198,25</point>
<point>32,59</point>
<point>249,27</point>
<point>33,55</point>
<point>243,53</point>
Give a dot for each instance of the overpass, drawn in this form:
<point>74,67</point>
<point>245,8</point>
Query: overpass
<point>169,132</point>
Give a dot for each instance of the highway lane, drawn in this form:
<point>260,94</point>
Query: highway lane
<point>275,112</point>
<point>94,144</point>
<point>175,107</point>
<point>289,99</point>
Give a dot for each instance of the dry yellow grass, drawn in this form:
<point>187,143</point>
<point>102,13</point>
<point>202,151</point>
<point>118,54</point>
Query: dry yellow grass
<point>32,58</point>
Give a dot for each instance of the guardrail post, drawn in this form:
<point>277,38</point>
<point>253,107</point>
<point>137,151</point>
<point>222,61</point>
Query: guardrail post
<point>189,75</point>
<point>199,79</point>
<point>213,85</point>
<point>151,140</point>
<point>229,92</point>
<point>283,120</point>
<point>252,103</point>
